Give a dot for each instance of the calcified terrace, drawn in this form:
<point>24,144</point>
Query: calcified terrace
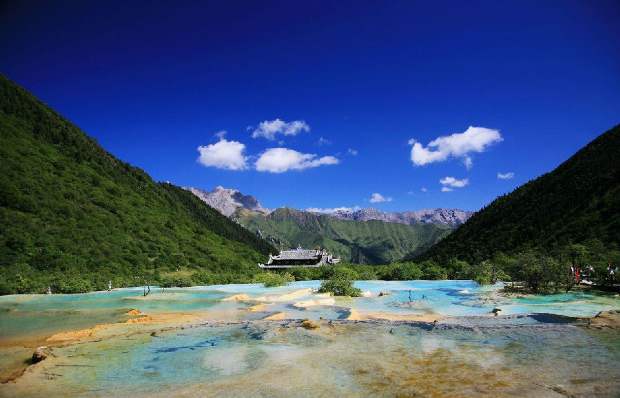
<point>417,338</point>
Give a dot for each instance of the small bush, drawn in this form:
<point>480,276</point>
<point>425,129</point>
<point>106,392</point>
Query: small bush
<point>367,275</point>
<point>204,278</point>
<point>176,281</point>
<point>305,274</point>
<point>406,271</point>
<point>433,271</point>
<point>72,285</point>
<point>272,279</point>
<point>340,284</point>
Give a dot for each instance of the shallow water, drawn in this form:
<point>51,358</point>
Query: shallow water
<point>227,350</point>
<point>344,359</point>
<point>28,317</point>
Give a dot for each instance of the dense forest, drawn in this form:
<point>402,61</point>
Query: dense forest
<point>73,217</point>
<point>367,242</point>
<point>578,203</point>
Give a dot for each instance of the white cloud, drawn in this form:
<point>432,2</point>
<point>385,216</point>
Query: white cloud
<point>332,210</point>
<point>446,189</point>
<point>453,182</point>
<point>468,162</point>
<point>378,198</point>
<point>279,160</point>
<point>323,141</point>
<point>506,176</point>
<point>422,189</point>
<point>223,154</point>
<point>474,139</point>
<point>352,152</point>
<point>221,134</point>
<point>270,128</point>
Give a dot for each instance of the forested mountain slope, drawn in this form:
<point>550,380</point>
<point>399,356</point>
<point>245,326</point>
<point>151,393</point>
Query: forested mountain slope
<point>362,242</point>
<point>578,202</point>
<point>73,216</point>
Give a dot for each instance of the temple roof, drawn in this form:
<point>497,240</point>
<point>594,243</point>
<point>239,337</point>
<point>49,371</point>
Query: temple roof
<point>297,254</point>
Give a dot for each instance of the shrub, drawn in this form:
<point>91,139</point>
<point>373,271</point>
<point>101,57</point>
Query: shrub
<point>176,281</point>
<point>406,271</point>
<point>433,271</point>
<point>204,278</point>
<point>340,284</point>
<point>458,269</point>
<point>304,274</point>
<point>543,273</point>
<point>272,279</point>
<point>367,275</point>
<point>71,284</point>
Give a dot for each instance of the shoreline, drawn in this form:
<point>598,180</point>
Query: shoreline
<point>508,293</point>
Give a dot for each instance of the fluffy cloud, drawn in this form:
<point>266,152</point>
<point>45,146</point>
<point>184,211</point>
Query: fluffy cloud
<point>279,160</point>
<point>451,182</point>
<point>505,176</point>
<point>378,198</point>
<point>332,210</point>
<point>423,189</point>
<point>459,145</point>
<point>352,152</point>
<point>270,128</point>
<point>223,154</point>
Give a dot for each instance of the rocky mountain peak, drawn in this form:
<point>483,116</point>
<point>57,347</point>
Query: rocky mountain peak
<point>451,217</point>
<point>227,201</point>
<point>230,201</point>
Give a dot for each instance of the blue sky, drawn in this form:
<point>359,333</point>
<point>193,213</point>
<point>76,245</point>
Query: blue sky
<point>154,82</point>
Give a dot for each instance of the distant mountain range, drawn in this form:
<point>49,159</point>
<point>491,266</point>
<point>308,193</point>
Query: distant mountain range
<point>358,236</point>
<point>362,242</point>
<point>450,217</point>
<point>230,201</point>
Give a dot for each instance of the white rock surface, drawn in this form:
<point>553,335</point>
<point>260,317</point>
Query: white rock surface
<point>227,201</point>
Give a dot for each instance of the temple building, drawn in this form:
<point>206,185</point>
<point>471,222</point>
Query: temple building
<point>300,258</point>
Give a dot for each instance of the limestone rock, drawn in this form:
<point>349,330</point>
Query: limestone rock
<point>308,324</point>
<point>40,354</point>
<point>606,319</point>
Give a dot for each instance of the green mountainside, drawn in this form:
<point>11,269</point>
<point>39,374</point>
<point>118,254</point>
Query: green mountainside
<point>577,203</point>
<point>361,242</point>
<point>73,216</point>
